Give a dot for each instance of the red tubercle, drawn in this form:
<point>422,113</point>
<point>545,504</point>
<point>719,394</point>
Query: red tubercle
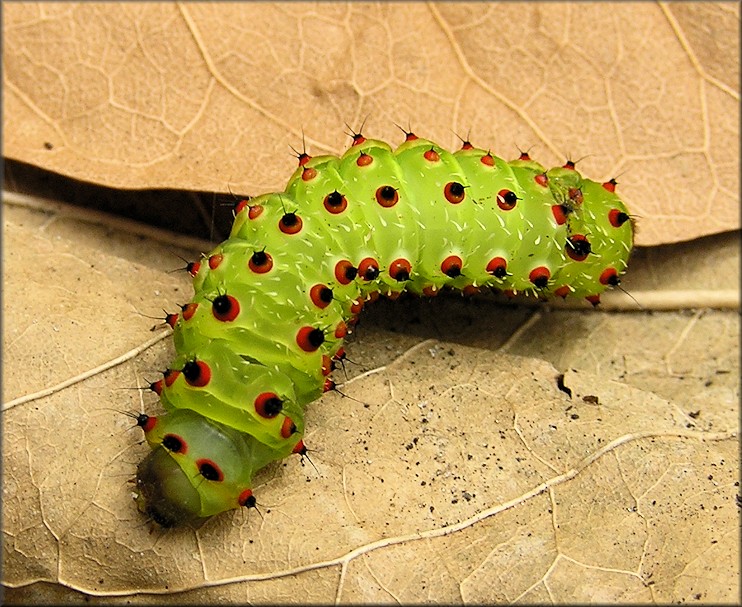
<point>288,427</point>
<point>393,295</point>
<point>310,338</point>
<point>345,272</point>
<point>290,224</point>
<point>328,386</point>
<point>617,218</point>
<point>470,290</point>
<point>321,295</point>
<point>578,247</point>
<point>542,179</point>
<point>215,260</point>
<point>193,267</point>
<point>241,206</point>
<point>268,405</point>
<point>409,136</point>
<point>539,276</point>
<point>341,330</point>
<point>431,155</point>
<point>488,160</point>
<point>610,185</point>
<point>569,165</point>
<point>335,203</point>
<point>368,269</point>
<point>364,159</point>
<point>326,365</point>
<point>225,308</point>
<point>156,386</point>
<point>451,266</point>
<point>260,262</point>
<point>524,156</point>
<point>400,269</point>
<point>210,470</point>
<point>300,448</point>
<point>593,299</point>
<point>562,291</point>
<point>358,139</point>
<point>246,499</point>
<point>373,296</point>
<point>146,422</point>
<point>609,277</point>
<point>175,444</point>
<point>509,293</point>
<point>431,291</point>
<point>256,210</point>
<point>169,376</point>
<point>188,310</point>
<point>308,173</point>
<point>303,158</point>
<point>197,373</point>
<point>575,195</point>
<point>454,192</point>
<point>560,212</point>
<point>507,199</point>
<point>498,267</point>
<point>172,319</point>
<point>387,196</point>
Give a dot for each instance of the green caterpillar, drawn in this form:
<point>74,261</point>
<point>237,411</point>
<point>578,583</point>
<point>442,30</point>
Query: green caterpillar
<point>273,302</point>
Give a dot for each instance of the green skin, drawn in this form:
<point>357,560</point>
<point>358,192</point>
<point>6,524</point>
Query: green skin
<point>261,350</point>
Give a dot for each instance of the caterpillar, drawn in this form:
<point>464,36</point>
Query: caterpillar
<point>274,302</point>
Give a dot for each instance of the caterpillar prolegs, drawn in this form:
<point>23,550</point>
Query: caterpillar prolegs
<point>274,302</point>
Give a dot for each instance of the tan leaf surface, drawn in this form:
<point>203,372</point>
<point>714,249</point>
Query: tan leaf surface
<point>460,473</point>
<point>455,470</point>
<point>210,96</point>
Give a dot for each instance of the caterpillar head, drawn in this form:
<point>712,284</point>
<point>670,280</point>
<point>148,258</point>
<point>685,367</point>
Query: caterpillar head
<point>197,467</point>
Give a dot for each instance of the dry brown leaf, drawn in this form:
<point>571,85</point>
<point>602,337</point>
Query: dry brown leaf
<point>210,96</point>
<point>451,473</point>
<point>464,474</point>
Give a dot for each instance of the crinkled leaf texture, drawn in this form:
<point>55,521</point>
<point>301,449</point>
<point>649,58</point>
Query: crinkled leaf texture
<point>210,96</point>
<point>453,468</point>
<point>446,471</point>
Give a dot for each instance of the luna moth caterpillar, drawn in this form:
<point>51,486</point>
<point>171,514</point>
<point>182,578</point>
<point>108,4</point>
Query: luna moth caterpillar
<point>274,302</point>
